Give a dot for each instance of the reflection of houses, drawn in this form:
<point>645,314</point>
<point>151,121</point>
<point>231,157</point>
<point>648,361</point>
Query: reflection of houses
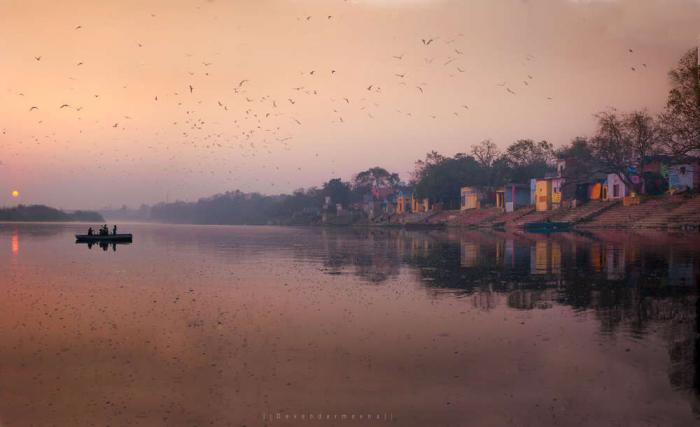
<point>469,254</point>
<point>681,270</point>
<point>545,257</point>
<point>486,300</point>
<point>614,262</point>
<point>527,299</point>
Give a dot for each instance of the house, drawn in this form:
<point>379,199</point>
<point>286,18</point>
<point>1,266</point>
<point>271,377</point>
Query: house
<point>470,198</point>
<point>501,198</point>
<point>684,176</point>
<point>614,188</point>
<point>557,185</point>
<point>403,203</point>
<point>513,196</point>
<point>419,205</point>
<point>543,195</point>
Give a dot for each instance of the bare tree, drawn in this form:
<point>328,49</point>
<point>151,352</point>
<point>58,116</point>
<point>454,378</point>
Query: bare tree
<point>486,153</point>
<point>680,122</point>
<point>623,143</point>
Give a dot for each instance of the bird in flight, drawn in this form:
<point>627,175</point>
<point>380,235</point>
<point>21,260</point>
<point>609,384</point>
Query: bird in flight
<point>427,42</point>
<point>399,57</point>
<point>242,82</point>
<point>191,88</point>
<point>38,58</point>
<point>64,106</point>
<point>510,91</point>
<point>78,27</point>
<point>33,108</point>
<point>420,89</point>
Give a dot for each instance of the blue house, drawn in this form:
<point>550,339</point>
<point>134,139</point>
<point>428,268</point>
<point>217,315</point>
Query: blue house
<point>514,196</point>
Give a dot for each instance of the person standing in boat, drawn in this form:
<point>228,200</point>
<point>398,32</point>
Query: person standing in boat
<point>90,231</point>
<point>114,230</point>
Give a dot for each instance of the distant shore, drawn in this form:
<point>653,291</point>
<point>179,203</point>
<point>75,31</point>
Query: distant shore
<point>41,213</point>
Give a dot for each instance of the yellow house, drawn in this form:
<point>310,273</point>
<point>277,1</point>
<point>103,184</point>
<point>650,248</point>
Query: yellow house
<point>418,205</point>
<point>470,198</point>
<point>403,204</point>
<point>543,195</point>
<point>501,198</point>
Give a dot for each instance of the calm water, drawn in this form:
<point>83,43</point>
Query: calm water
<point>198,326</point>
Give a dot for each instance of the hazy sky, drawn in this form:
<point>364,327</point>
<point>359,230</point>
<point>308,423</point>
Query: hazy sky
<point>133,131</point>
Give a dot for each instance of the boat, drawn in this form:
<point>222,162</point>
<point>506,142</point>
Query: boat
<point>107,238</point>
<point>547,226</point>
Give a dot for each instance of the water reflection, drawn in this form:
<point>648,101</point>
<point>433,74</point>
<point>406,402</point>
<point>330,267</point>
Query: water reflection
<point>219,324</point>
<point>15,243</point>
<point>103,245</point>
<point>632,284</point>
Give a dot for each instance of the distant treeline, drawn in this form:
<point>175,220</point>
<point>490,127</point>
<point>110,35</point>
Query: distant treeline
<point>240,208</point>
<point>41,213</point>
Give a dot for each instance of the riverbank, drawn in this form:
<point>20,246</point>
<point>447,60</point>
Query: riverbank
<point>671,212</point>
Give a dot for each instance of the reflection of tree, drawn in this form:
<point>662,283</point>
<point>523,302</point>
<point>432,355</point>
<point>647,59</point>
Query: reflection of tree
<point>626,283</point>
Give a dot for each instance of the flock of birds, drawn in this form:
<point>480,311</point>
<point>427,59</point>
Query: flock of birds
<point>255,123</point>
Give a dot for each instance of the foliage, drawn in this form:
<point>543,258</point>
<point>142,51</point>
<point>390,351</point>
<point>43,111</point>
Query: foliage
<point>338,191</point>
<point>41,213</point>
<point>440,178</point>
<point>623,143</point>
<point>680,122</point>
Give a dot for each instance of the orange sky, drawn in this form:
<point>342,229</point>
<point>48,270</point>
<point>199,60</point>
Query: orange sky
<point>115,143</point>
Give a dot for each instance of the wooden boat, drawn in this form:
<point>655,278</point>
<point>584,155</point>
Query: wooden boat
<point>108,238</point>
<point>547,226</point>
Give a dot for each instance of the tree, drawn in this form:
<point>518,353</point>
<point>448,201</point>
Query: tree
<point>524,152</point>
<point>528,159</point>
<point>623,143</point>
<point>486,153</point>
<point>375,177</point>
<point>338,191</point>
<point>440,178</point>
<point>580,165</point>
<point>680,122</point>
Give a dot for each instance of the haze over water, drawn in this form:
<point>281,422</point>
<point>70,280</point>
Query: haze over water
<point>209,325</point>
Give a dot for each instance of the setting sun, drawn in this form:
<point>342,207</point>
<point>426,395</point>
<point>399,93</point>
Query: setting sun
<point>15,193</point>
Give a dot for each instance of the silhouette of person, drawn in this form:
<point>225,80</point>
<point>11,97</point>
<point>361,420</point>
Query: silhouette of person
<point>114,230</point>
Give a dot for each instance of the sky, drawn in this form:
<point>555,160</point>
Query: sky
<point>147,101</point>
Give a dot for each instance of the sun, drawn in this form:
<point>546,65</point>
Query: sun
<point>15,193</point>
